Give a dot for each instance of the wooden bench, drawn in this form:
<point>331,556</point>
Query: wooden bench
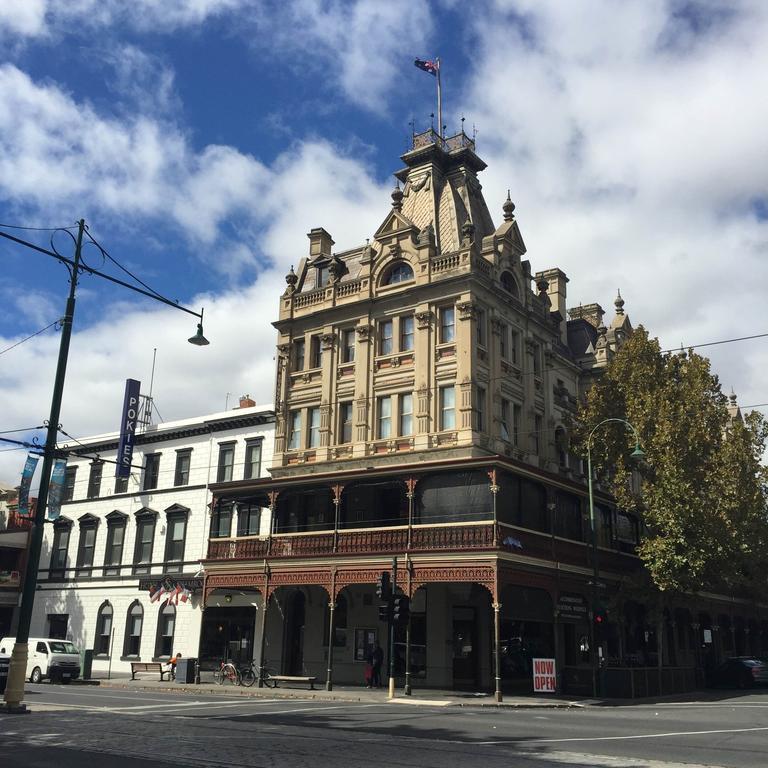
<point>148,666</point>
<point>293,679</point>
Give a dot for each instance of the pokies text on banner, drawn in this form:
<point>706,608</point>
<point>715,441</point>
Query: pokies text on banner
<point>128,428</point>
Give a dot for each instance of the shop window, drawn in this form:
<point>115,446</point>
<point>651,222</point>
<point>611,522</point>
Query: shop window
<point>86,545</point>
<point>252,460</point>
<point>399,273</point>
<point>226,462</point>
<point>386,346</point>
<point>151,471</point>
<point>183,461</point>
<point>248,519</point>
<point>453,498</point>
<point>145,539</point>
<point>61,531</point>
<point>102,642</point>
<point>315,352</point>
<point>370,504</point>
<point>348,345</point>
<point>70,475</point>
<point>113,554</point>
<point>311,509</point>
<point>298,354</point>
<point>384,411</point>
<point>294,431</point>
<point>345,423</point>
<point>406,333</point>
<point>175,535</point>
<point>94,479</point>
<point>447,408</point>
<point>133,626</point>
<point>447,324</point>
<point>313,426</point>
<point>568,516</point>
<point>166,625</point>
<point>221,521</point>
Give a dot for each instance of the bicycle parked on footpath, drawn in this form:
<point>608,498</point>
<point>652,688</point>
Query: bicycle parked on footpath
<point>227,673</point>
<point>250,673</point>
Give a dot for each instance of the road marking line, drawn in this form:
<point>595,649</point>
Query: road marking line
<point>291,711</point>
<point>619,738</point>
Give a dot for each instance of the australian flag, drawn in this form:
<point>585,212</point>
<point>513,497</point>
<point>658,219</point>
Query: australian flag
<point>427,66</point>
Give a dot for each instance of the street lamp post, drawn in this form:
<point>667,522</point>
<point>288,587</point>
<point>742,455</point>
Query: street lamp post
<point>636,455</point>
<point>14,691</point>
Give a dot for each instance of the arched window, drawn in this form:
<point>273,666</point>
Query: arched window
<point>133,625</point>
<point>166,625</point>
<point>509,285</point>
<point>101,645</point>
<point>398,273</point>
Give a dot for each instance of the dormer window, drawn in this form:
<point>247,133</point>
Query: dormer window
<point>399,273</point>
<point>323,275</point>
<point>509,285</point>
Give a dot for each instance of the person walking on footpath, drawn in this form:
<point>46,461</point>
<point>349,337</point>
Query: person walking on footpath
<point>377,659</point>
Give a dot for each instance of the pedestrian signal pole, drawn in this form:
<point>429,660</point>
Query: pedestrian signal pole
<point>392,634</point>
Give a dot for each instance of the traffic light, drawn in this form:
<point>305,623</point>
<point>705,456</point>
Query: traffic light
<point>383,586</point>
<point>385,612</point>
<point>599,615</point>
<point>401,609</point>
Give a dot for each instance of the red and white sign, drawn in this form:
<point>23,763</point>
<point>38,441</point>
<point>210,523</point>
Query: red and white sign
<point>544,677</point>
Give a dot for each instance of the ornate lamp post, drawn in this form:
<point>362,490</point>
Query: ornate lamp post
<point>636,455</point>
<point>14,692</point>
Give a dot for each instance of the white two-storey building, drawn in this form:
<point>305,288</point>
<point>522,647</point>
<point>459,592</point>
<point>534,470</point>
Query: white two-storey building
<point>120,569</point>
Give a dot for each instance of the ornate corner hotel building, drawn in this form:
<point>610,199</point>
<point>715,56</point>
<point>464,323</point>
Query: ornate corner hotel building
<point>422,396</point>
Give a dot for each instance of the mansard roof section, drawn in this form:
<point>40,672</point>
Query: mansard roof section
<point>441,189</point>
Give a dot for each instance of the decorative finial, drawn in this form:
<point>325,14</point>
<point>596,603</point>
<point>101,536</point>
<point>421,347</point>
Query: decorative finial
<point>432,120</point>
<point>508,208</point>
<point>619,304</point>
<point>397,197</point>
<point>291,279</point>
<point>732,397</point>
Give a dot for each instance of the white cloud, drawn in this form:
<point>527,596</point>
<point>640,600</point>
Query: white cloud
<point>57,152</point>
<point>633,138</point>
<point>359,44</point>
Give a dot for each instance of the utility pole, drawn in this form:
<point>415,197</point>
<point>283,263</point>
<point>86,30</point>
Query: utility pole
<point>17,672</point>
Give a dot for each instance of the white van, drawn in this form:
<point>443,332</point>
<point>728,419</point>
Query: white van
<point>57,660</point>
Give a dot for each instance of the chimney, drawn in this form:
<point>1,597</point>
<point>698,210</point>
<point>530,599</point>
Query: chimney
<point>246,402</point>
<point>320,243</point>
<point>592,313</point>
<point>557,280</point>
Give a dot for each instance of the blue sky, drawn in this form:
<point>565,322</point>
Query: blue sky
<point>202,139</point>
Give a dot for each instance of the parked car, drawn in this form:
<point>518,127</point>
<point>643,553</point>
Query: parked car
<point>740,672</point>
<point>57,660</point>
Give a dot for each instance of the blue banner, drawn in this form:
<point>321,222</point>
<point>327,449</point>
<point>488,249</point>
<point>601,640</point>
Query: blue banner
<point>56,488</point>
<point>26,484</point>
<point>128,428</point>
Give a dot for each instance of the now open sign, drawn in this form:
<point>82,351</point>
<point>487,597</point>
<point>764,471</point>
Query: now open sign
<point>544,678</point>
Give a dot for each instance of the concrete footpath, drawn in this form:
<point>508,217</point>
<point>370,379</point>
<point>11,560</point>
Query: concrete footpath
<point>419,696</point>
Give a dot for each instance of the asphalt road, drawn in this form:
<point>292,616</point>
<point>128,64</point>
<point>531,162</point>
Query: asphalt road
<point>87,727</point>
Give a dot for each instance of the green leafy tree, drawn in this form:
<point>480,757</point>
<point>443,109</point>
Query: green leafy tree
<point>702,499</point>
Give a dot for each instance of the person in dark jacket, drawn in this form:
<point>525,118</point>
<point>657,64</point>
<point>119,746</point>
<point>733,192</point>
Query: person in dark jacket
<point>377,659</point>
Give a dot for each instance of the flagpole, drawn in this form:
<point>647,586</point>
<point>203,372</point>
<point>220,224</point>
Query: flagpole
<point>439,101</point>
